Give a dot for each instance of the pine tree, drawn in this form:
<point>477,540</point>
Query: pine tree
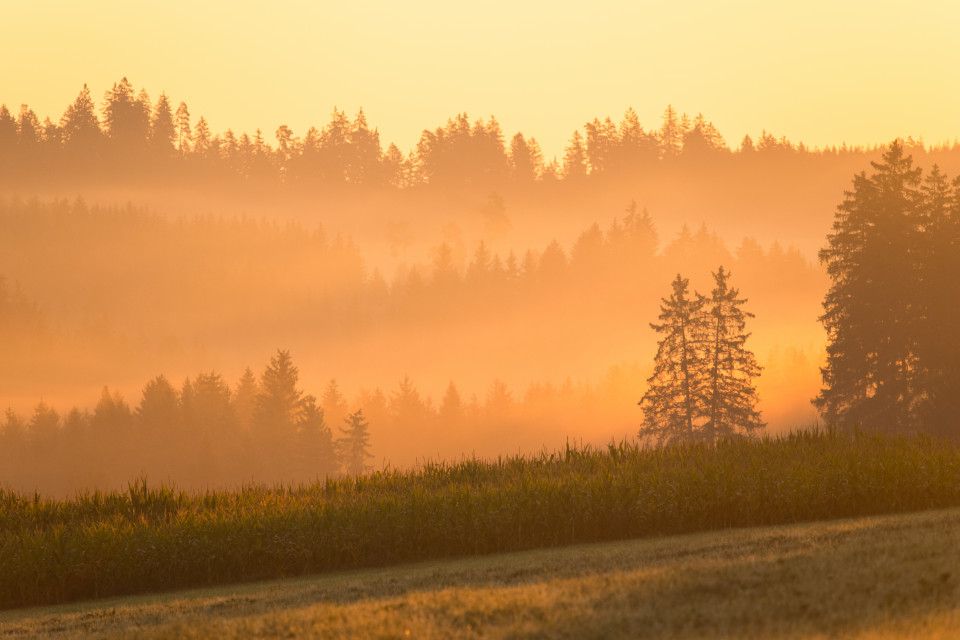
<point>126,118</point>
<point>29,129</point>
<point>202,141</point>
<point>674,398</point>
<point>873,378</point>
<point>671,133</point>
<point>731,396</point>
<point>162,132</point>
<point>575,158</point>
<point>81,129</point>
<point>316,456</point>
<point>333,403</point>
<point>183,135</point>
<point>244,399</point>
<point>354,444</point>
<point>8,141</point>
<point>938,342</point>
<point>278,408</point>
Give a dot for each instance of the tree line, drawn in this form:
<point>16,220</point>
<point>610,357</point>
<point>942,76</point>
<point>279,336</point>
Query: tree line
<point>132,137</point>
<point>456,282</point>
<point>205,432</point>
<point>202,433</point>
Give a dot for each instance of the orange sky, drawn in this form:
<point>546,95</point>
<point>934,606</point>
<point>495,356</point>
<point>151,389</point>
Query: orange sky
<point>819,71</point>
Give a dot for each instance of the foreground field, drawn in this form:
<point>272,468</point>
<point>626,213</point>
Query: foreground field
<point>150,540</point>
<point>879,577</point>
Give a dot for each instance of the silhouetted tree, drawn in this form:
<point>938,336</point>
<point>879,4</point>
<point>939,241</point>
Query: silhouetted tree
<point>575,158</point>
<point>159,426</point>
<point>202,141</point>
<point>8,142</point>
<point>126,119</point>
<point>938,346</point>
<point>671,133</point>
<point>731,397</point>
<point>245,399</point>
<point>182,124</point>
<point>673,402</point>
<point>523,163</point>
<point>451,408</point>
<point>278,410</point>
<point>29,130</point>
<point>316,455</point>
<point>81,129</point>
<point>354,444</point>
<point>111,429</point>
<point>871,309</point>
<point>602,143</point>
<point>162,131</point>
<point>333,403</point>
<point>364,165</point>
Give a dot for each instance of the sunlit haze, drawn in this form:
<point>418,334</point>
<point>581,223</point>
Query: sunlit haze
<point>227,229</point>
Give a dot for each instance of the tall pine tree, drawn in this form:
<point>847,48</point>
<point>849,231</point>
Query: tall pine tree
<point>731,367</point>
<point>873,378</point>
<point>673,400</point>
<point>354,444</point>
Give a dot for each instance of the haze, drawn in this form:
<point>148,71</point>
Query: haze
<point>479,263</point>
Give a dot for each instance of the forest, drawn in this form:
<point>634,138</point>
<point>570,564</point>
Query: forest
<point>468,296</point>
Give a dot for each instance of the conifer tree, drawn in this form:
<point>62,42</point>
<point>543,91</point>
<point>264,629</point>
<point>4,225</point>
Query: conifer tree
<point>873,377</point>
<point>126,118</point>
<point>278,408</point>
<point>8,140</point>
<point>316,456</point>
<point>333,404</point>
<point>201,138</point>
<point>182,122</point>
<point>938,338</point>
<point>674,398</point>
<point>671,133</point>
<point>575,158</point>
<point>162,132</point>
<point>354,444</point>
<point>701,387</point>
<point>731,396</point>
<point>81,129</point>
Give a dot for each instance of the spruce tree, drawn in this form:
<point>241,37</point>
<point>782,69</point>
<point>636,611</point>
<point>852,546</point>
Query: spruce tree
<point>731,367</point>
<point>278,409</point>
<point>674,398</point>
<point>81,129</point>
<point>873,378</point>
<point>938,350</point>
<point>162,131</point>
<point>354,444</point>
<point>316,457</point>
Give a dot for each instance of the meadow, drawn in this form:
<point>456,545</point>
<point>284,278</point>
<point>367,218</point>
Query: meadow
<point>151,539</point>
<point>880,577</point>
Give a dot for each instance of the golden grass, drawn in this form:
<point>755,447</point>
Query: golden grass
<point>878,577</point>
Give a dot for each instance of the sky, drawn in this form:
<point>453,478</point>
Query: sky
<point>821,72</point>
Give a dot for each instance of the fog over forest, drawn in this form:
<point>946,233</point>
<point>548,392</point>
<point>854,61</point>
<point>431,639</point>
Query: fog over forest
<point>137,241</point>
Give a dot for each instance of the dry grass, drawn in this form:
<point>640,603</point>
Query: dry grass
<point>879,577</point>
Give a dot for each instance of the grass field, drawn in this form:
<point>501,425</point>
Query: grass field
<point>878,577</point>
<point>149,540</point>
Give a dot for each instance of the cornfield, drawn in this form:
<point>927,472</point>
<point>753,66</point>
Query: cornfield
<point>157,538</point>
